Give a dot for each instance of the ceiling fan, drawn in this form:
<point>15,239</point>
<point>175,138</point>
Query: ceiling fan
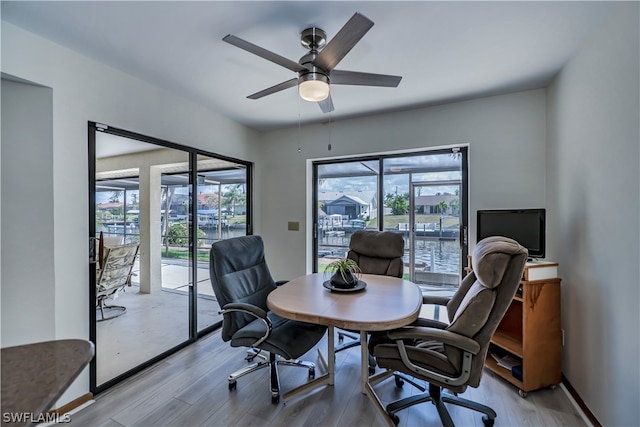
<point>316,70</point>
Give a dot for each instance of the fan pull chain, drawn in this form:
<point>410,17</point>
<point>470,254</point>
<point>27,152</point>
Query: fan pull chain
<point>330,135</point>
<point>299,131</point>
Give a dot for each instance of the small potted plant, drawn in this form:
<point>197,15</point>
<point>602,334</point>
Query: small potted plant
<point>344,272</point>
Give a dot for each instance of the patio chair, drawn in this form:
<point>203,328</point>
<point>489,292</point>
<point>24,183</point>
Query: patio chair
<point>115,274</point>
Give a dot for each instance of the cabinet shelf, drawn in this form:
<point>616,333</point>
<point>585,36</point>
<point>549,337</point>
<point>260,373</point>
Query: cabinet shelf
<point>492,365</point>
<point>531,331</point>
<point>511,343</point>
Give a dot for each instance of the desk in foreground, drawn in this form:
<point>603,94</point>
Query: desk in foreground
<point>34,376</point>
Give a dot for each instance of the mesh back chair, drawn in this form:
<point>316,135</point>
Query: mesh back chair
<point>452,355</point>
<point>375,252</point>
<point>241,282</point>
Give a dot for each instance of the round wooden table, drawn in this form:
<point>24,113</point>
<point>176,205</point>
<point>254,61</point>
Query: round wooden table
<point>386,303</point>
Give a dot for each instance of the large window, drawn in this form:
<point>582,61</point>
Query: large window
<point>421,196</point>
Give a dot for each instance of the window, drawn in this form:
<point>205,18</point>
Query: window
<point>420,195</point>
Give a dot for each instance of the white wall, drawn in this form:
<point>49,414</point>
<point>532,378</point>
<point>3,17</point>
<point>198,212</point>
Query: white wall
<point>507,154</point>
<point>591,187</point>
<point>593,162</point>
<point>84,90</point>
<point>27,214</point>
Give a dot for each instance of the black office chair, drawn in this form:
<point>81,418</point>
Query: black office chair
<point>452,355</point>
<point>241,282</point>
<point>375,252</point>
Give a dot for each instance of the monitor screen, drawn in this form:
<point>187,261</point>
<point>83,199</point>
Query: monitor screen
<point>526,226</point>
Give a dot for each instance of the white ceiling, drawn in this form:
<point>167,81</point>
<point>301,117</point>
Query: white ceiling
<point>445,51</point>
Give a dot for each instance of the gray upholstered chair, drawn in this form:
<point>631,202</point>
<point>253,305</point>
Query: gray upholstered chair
<point>452,355</point>
<point>375,252</point>
<point>241,282</point>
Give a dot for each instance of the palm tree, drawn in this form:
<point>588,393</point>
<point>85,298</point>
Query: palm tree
<point>233,195</point>
<point>115,196</point>
<point>442,207</point>
<point>166,198</point>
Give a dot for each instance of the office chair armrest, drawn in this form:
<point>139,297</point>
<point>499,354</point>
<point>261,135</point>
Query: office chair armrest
<point>428,334</point>
<point>246,308</point>
<point>435,299</point>
<point>430,374</point>
<point>281,282</point>
<point>252,310</point>
<point>429,323</point>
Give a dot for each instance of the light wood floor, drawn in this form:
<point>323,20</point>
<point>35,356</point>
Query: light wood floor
<point>190,389</point>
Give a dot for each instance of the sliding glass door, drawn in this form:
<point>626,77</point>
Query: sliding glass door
<point>419,195</point>
<point>156,208</point>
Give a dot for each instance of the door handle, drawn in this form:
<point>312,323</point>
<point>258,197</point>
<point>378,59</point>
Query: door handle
<point>463,236</point>
<point>93,250</point>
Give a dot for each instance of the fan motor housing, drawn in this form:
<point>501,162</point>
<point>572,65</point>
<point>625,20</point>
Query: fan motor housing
<point>313,38</point>
<point>313,75</point>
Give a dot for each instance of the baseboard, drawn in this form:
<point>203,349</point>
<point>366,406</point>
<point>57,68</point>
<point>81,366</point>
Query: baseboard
<point>74,404</point>
<point>579,404</point>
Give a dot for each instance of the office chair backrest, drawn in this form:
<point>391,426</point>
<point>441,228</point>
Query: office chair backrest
<point>378,252</point>
<point>484,295</point>
<point>239,273</point>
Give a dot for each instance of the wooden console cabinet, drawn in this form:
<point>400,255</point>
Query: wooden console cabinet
<point>530,332</point>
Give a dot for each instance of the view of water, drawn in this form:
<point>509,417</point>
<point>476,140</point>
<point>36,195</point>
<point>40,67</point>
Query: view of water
<point>441,256</point>
<point>211,234</point>
<point>432,254</point>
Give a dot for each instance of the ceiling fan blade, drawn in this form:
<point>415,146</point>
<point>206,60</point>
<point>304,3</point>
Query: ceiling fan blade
<point>342,77</point>
<point>273,89</point>
<point>263,53</point>
<point>343,42</point>
<point>326,105</point>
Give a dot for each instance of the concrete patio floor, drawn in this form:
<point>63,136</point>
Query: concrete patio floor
<point>153,323</point>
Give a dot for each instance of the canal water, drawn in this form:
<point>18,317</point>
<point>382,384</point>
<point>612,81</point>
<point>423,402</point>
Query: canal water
<point>432,254</point>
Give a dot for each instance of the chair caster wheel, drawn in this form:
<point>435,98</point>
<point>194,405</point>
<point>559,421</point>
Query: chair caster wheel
<point>395,419</point>
<point>340,339</point>
<point>232,385</point>
<point>372,370</point>
<point>488,422</point>
<point>523,394</point>
<point>275,399</point>
<point>399,381</point>
<point>312,373</point>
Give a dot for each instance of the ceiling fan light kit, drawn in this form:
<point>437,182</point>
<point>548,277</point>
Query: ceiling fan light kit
<point>313,87</point>
<point>316,68</point>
